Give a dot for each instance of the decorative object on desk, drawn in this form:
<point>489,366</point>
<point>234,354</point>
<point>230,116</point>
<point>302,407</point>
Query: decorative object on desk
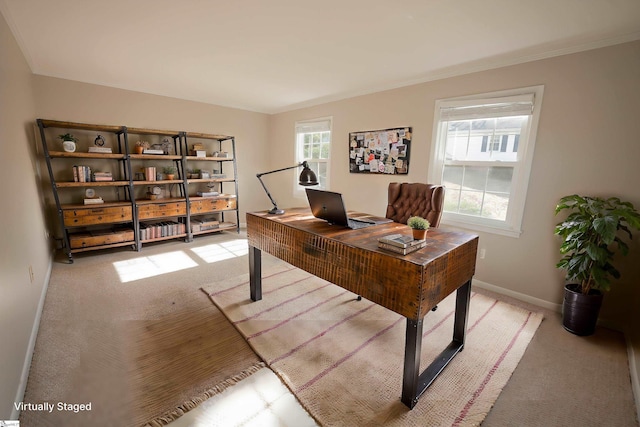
<point>307,178</point>
<point>380,151</point>
<point>68,142</point>
<point>400,243</point>
<point>169,172</point>
<point>204,175</point>
<point>590,239</point>
<point>141,146</point>
<point>402,250</point>
<point>354,354</point>
<point>99,141</point>
<point>419,227</point>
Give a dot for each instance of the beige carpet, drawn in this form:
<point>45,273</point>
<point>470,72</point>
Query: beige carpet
<point>138,341</point>
<point>343,358</point>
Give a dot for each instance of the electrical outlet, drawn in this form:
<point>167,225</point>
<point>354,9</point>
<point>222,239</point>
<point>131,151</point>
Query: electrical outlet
<point>31,274</point>
<point>483,252</point>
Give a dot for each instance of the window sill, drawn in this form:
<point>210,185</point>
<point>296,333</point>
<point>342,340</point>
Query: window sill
<point>503,231</point>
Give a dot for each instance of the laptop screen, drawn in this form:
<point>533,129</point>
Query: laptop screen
<point>327,205</point>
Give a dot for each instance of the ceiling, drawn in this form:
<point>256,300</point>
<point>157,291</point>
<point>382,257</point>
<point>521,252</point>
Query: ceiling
<point>278,55</point>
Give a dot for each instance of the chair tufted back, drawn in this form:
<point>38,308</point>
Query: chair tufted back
<point>415,199</point>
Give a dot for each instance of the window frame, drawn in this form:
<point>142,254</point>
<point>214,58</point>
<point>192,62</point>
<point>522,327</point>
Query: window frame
<point>298,190</point>
<point>512,225</point>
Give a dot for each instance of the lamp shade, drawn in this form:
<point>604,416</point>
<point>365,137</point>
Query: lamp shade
<point>307,176</point>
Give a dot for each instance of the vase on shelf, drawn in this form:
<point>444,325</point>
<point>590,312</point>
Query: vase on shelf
<point>69,146</point>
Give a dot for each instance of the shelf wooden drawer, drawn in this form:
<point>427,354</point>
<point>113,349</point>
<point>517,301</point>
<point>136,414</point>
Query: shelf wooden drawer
<point>99,238</point>
<point>96,215</point>
<point>161,210</point>
<point>212,205</point>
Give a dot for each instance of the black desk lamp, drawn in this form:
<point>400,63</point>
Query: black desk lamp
<point>307,178</point>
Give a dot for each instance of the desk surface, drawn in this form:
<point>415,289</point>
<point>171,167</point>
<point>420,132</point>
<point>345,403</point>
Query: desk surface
<point>409,284</point>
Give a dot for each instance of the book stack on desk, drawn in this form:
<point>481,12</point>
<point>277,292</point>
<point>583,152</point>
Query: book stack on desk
<point>400,243</point>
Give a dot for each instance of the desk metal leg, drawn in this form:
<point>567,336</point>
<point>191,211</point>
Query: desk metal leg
<point>414,384</point>
<point>255,273</point>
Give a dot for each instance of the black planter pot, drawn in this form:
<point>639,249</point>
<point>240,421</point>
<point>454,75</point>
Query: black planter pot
<point>580,311</point>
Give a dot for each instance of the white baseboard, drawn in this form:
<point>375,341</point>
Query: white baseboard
<point>517,295</point>
<point>32,343</point>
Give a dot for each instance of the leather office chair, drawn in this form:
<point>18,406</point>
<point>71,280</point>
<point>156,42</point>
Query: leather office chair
<point>415,199</point>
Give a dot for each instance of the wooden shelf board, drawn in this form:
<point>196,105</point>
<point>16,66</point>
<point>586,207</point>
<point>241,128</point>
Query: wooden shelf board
<point>207,136</point>
<point>96,206</point>
<point>158,239</point>
<point>195,181</point>
<point>92,184</point>
<point>154,157</point>
<point>222,227</point>
<point>208,159</point>
<point>78,155</point>
<point>145,131</point>
<point>80,126</point>
<point>161,181</point>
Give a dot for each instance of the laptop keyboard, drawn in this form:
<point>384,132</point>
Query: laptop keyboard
<point>356,223</point>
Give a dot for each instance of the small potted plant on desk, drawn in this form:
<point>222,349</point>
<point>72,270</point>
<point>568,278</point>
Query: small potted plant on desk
<point>169,172</point>
<point>590,240</point>
<point>419,227</point>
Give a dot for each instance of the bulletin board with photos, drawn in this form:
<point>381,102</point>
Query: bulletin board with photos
<point>384,151</point>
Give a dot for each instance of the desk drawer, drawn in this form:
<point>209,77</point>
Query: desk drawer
<point>212,205</point>
<point>161,210</point>
<point>94,215</point>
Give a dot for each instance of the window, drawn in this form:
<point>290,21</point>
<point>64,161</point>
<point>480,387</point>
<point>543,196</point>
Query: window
<point>313,144</point>
<point>482,154</point>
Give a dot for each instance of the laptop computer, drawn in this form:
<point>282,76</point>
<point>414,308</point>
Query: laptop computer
<point>329,206</point>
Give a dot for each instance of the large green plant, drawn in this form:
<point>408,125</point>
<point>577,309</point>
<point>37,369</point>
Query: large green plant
<point>591,237</point>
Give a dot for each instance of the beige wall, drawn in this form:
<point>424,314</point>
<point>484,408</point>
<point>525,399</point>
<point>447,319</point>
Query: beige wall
<point>587,143</point>
<point>22,235</point>
<point>86,103</point>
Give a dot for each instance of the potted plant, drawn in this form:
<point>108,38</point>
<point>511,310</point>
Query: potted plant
<point>68,142</point>
<point>591,236</point>
<point>419,227</point>
<point>141,146</point>
<point>169,172</point>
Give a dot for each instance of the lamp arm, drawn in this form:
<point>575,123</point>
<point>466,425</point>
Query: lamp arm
<point>275,209</point>
<point>273,202</point>
<point>282,169</point>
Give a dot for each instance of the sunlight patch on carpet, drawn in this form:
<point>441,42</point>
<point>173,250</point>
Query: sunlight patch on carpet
<point>216,252</point>
<point>153,265</point>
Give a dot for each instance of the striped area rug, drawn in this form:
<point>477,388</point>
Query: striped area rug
<point>343,358</point>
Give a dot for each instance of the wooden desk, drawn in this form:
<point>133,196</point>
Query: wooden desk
<point>410,285</point>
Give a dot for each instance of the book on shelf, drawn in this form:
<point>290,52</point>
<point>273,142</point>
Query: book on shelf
<point>104,150</point>
<point>208,193</point>
<point>204,224</point>
<point>399,240</point>
<point>81,173</point>
<point>402,251</point>
<point>102,176</point>
<point>152,151</point>
<point>93,201</point>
